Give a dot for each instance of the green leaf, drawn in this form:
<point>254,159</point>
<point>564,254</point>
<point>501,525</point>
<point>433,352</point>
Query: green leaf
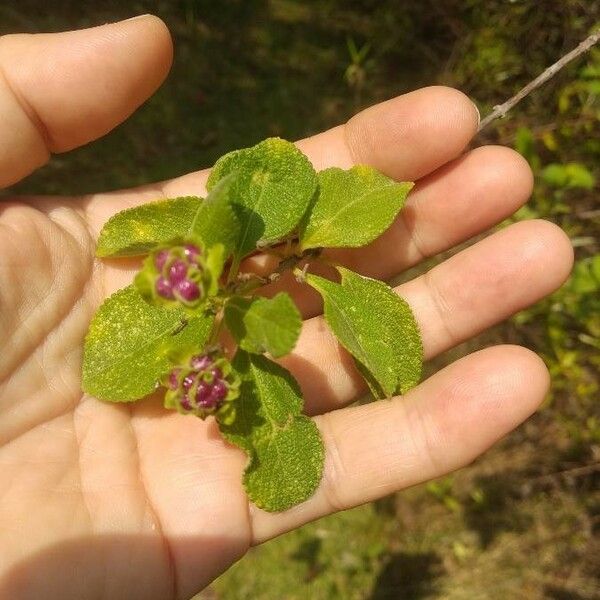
<point>284,447</point>
<point>580,176</point>
<point>264,325</point>
<point>525,142</point>
<point>585,278</point>
<point>377,327</point>
<point>555,175</point>
<point>352,208</point>
<point>129,342</point>
<point>137,231</point>
<point>570,175</point>
<point>214,221</point>
<point>275,185</point>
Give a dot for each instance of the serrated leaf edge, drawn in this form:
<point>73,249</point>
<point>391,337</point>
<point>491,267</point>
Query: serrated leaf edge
<point>306,244</point>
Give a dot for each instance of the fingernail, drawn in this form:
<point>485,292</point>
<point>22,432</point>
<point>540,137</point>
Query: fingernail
<point>478,113</point>
<point>136,18</point>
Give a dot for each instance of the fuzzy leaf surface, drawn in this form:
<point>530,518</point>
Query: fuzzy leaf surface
<point>214,221</point>
<point>377,327</point>
<point>264,324</point>
<point>274,187</point>
<point>138,230</point>
<point>284,447</point>
<point>352,208</point>
<point>129,342</point>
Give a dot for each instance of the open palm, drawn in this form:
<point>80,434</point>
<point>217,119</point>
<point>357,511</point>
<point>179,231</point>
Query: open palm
<point>131,501</point>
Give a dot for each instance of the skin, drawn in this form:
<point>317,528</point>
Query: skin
<point>135,502</point>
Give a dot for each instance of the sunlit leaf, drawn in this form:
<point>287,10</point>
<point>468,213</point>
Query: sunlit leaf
<point>129,342</point>
<point>377,327</point>
<point>274,185</point>
<point>264,325</point>
<point>138,230</point>
<point>352,207</point>
<point>284,447</point>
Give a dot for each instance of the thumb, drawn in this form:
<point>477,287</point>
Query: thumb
<point>61,90</point>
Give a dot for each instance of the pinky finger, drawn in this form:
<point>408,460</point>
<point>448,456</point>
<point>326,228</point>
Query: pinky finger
<point>443,424</point>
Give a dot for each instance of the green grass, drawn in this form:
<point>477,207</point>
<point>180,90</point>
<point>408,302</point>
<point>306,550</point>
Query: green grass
<point>523,521</point>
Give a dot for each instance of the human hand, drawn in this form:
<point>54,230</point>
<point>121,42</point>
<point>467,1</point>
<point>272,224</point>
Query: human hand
<point>131,501</point>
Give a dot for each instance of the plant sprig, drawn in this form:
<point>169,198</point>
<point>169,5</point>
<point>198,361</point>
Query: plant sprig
<point>165,330</point>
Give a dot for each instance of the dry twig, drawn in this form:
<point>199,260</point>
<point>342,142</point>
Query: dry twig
<point>501,109</point>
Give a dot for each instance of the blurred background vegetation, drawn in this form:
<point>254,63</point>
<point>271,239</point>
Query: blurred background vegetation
<point>523,521</point>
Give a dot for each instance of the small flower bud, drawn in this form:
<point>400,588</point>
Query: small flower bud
<point>177,272</point>
<point>191,252</point>
<point>187,290</point>
<point>174,379</point>
<point>164,288</point>
<point>201,361</point>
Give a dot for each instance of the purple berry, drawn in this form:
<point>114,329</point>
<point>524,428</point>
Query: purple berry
<point>187,382</point>
<point>160,259</point>
<point>201,362</point>
<point>185,403</point>
<point>164,289</point>
<point>219,390</point>
<point>191,252</point>
<point>203,394</point>
<point>177,272</point>
<point>174,379</point>
<point>215,399</point>
<point>188,290</point>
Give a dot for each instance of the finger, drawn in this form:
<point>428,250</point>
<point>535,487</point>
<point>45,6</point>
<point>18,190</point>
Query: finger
<point>62,90</point>
<point>442,425</point>
<point>459,298</point>
<point>406,138</point>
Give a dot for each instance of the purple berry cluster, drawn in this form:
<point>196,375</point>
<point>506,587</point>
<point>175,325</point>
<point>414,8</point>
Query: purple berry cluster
<point>179,273</point>
<point>202,386</point>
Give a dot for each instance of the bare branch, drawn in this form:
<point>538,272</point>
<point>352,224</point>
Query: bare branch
<point>501,109</point>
